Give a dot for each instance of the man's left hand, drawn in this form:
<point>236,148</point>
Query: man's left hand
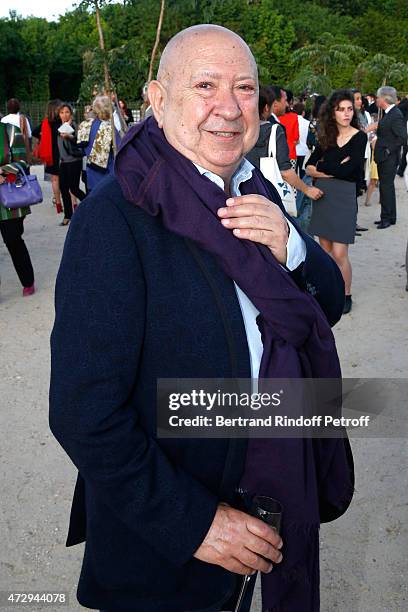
<point>253,217</point>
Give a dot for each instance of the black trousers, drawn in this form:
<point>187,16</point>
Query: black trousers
<point>232,602</point>
<point>386,174</point>
<point>12,231</point>
<point>70,174</point>
<point>299,165</point>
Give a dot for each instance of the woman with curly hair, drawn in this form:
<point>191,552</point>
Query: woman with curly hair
<point>336,165</point>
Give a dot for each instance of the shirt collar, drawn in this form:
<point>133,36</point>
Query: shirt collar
<point>387,110</point>
<point>242,173</point>
<point>275,117</point>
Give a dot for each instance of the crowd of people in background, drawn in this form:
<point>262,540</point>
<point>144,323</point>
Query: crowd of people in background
<point>328,151</point>
<point>329,154</point>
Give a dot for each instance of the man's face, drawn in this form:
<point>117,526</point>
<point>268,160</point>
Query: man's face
<point>209,110</point>
<point>381,103</point>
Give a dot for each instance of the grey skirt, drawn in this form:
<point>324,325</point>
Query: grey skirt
<point>334,215</point>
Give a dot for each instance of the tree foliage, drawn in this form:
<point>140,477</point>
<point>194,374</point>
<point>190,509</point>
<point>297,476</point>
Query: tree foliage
<point>382,69</point>
<point>313,44</point>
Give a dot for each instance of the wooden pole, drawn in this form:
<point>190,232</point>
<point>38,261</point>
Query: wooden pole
<point>154,51</point>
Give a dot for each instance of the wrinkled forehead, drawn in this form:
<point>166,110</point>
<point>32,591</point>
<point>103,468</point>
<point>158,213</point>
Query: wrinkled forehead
<point>208,54</point>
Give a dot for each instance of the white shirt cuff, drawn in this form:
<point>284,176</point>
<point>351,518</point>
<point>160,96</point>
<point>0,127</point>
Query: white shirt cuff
<point>295,249</point>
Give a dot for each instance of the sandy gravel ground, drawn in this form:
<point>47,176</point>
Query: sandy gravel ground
<point>364,561</point>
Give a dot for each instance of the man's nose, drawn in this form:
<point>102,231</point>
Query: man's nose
<point>227,104</point>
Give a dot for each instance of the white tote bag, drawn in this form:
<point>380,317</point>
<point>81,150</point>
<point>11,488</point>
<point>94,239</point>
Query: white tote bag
<point>270,169</point>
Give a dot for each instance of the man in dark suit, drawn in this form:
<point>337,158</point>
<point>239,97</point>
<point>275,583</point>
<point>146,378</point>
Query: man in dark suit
<point>391,136</point>
<point>137,299</point>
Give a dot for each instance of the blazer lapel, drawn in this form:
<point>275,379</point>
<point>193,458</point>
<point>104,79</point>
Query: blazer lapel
<point>228,306</point>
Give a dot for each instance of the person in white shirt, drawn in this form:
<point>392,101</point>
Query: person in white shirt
<point>14,117</point>
<point>301,148</point>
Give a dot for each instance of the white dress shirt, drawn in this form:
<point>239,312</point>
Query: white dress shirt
<point>296,254</point>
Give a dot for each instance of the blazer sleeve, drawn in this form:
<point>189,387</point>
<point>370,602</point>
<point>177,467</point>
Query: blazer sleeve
<point>399,130</point>
<point>320,276</point>
<point>96,347</point>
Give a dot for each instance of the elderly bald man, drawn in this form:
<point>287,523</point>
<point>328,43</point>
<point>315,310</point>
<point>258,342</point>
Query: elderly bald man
<point>185,265</point>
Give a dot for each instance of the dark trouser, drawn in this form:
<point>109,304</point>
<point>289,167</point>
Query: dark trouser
<point>386,174</point>
<point>70,174</point>
<point>12,231</point>
<point>299,165</point>
<point>232,602</point>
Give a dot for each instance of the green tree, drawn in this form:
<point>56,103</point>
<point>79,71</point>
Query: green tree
<point>327,53</point>
<point>344,7</point>
<point>12,55</point>
<point>70,38</point>
<point>271,38</point>
<point>34,68</point>
<point>307,19</point>
<point>308,81</point>
<point>64,56</point>
<point>382,32</point>
<point>384,69</point>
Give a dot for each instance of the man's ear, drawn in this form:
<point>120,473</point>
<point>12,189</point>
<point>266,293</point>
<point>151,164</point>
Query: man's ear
<point>156,94</point>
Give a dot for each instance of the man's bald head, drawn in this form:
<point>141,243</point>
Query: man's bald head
<point>205,97</point>
<point>188,41</point>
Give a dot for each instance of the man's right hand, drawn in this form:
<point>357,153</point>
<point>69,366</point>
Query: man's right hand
<point>240,543</point>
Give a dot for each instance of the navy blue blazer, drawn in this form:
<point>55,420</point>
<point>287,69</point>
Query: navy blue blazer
<point>134,303</point>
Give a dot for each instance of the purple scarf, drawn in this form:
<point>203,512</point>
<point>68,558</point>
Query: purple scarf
<point>297,343</point>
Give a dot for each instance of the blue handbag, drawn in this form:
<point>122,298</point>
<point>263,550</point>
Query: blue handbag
<point>26,191</point>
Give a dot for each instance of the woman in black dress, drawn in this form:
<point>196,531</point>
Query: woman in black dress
<point>336,165</point>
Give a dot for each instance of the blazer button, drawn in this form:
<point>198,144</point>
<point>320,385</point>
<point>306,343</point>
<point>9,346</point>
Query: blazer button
<point>311,289</point>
